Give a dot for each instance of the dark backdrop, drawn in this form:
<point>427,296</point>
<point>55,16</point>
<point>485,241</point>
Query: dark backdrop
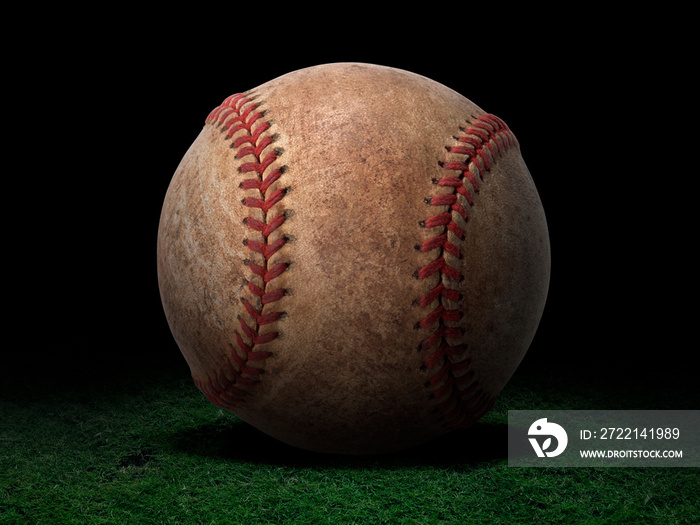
<point>107,115</point>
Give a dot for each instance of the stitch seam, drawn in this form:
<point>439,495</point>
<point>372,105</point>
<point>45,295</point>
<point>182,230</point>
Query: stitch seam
<point>239,116</point>
<point>454,385</point>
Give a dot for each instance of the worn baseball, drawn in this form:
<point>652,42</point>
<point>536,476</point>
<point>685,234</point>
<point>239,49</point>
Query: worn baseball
<point>353,258</point>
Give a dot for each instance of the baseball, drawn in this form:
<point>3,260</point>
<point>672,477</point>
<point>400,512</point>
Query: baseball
<point>353,258</point>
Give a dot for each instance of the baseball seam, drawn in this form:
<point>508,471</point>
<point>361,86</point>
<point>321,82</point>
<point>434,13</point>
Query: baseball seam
<point>460,398</point>
<point>239,117</point>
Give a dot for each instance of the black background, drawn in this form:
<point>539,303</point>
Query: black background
<point>106,110</point>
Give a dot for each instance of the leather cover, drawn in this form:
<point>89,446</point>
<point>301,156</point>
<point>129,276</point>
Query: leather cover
<point>353,258</point>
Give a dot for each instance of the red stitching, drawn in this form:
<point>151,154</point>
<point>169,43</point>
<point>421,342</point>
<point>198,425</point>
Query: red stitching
<point>461,400</point>
<point>238,113</point>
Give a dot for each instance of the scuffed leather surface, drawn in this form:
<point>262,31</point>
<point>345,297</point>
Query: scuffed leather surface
<point>361,147</point>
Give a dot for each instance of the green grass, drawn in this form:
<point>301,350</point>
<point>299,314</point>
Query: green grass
<point>155,451</point>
